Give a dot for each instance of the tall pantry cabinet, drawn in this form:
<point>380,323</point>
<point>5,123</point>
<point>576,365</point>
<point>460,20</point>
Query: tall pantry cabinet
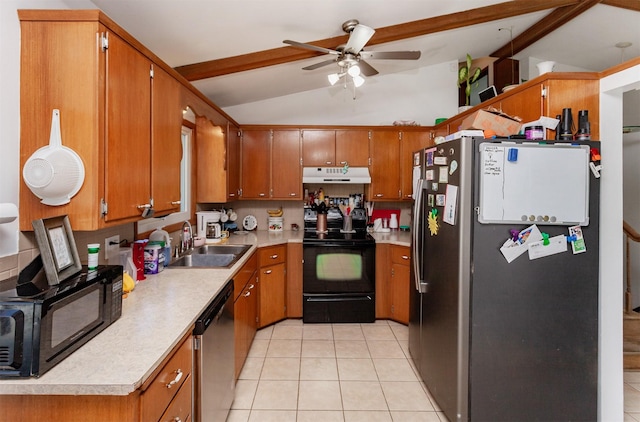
<point>113,114</point>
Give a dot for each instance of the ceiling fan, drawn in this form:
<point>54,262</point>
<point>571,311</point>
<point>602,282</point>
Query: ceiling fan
<point>350,56</point>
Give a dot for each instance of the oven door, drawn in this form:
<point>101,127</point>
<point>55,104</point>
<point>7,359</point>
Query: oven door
<point>338,267</point>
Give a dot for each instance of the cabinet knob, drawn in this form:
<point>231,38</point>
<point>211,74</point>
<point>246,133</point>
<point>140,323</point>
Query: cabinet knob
<point>176,379</point>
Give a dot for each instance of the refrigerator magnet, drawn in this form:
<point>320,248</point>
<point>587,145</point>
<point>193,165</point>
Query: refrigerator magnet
<point>450,202</point>
<point>440,199</point>
<point>434,186</point>
<point>453,167</point>
<point>577,240</point>
<point>431,200</point>
<point>440,161</point>
<point>429,174</point>
<point>443,176</point>
<point>429,154</point>
<point>433,222</point>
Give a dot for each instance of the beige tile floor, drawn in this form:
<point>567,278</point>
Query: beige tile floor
<point>331,372</point>
<point>345,373</point>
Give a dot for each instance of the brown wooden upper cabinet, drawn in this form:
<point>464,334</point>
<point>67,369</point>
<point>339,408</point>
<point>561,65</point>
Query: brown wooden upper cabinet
<point>329,147</point>
<point>385,165</point>
<point>119,111</point>
<point>271,164</point>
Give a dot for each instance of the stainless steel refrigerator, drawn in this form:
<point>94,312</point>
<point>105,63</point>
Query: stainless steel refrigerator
<point>495,340</point>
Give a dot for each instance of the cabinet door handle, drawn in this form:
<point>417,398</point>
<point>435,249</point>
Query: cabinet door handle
<point>177,419</point>
<point>144,206</point>
<point>379,195</point>
<point>247,294</point>
<point>175,202</point>
<point>262,194</point>
<point>268,272</point>
<point>251,286</point>
<point>293,194</point>
<point>329,162</point>
<point>405,257</point>
<point>274,256</point>
<point>176,379</point>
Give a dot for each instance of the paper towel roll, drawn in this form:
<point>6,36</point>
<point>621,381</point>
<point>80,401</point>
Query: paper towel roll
<point>8,212</point>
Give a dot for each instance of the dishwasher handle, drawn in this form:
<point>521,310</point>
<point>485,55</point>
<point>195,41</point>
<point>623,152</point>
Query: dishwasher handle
<point>214,310</point>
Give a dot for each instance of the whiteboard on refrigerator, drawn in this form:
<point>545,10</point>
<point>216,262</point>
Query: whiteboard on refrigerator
<point>531,183</point>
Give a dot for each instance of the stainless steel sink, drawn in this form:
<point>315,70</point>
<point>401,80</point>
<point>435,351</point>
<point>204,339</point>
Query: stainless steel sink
<point>211,256</point>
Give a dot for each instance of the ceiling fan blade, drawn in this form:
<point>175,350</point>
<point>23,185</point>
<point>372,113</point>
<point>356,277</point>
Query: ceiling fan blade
<point>318,65</point>
<point>360,36</point>
<point>391,55</point>
<point>311,47</point>
<point>366,68</point>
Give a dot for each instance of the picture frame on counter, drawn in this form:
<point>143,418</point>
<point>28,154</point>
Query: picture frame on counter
<point>58,249</point>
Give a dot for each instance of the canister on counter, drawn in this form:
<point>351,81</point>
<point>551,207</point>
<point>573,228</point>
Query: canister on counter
<point>152,264</point>
<point>534,133</point>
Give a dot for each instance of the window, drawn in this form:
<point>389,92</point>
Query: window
<point>185,183</point>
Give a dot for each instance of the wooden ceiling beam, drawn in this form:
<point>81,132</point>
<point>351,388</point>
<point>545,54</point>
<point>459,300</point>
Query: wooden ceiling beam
<point>543,27</point>
<point>244,62</point>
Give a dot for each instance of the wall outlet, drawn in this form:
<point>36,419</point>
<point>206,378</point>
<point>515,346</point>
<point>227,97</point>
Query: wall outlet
<point>112,247</point>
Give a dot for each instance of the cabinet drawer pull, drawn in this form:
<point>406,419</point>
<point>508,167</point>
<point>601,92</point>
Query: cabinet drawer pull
<point>247,294</point>
<point>268,272</point>
<point>379,195</point>
<point>405,257</point>
<point>176,379</point>
<point>144,206</point>
<point>262,194</point>
<point>274,256</point>
<point>293,194</point>
<point>251,286</point>
<point>177,419</point>
<point>329,162</point>
<point>175,202</point>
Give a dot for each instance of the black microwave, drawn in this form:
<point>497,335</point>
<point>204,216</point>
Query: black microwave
<point>40,325</point>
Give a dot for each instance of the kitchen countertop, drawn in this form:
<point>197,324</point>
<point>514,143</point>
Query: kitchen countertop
<point>155,317</point>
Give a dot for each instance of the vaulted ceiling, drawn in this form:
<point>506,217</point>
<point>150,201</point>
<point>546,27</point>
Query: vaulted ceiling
<point>233,51</point>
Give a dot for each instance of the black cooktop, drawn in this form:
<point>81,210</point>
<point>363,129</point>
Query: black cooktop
<point>359,236</point>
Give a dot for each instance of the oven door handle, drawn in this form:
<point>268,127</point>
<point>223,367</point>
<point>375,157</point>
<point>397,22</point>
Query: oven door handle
<point>342,244</point>
<point>416,235</point>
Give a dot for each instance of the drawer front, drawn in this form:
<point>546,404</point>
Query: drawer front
<point>244,275</point>
<point>180,407</point>
<point>272,255</point>
<point>167,383</point>
<point>400,255</point>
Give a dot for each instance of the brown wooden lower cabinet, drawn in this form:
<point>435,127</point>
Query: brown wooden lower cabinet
<point>294,280</point>
<point>392,282</point>
<point>245,285</point>
<point>154,401</point>
<point>272,293</point>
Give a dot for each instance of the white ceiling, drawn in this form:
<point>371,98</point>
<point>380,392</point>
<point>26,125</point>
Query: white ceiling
<point>184,32</point>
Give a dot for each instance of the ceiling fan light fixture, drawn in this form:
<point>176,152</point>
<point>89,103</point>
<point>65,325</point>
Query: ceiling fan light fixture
<point>333,78</point>
<point>354,70</point>
<point>358,81</point>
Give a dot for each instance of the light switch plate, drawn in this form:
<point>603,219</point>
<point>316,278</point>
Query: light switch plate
<point>112,247</point>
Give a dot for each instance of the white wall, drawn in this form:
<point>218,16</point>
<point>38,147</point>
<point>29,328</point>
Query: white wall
<point>610,372</point>
<point>631,187</point>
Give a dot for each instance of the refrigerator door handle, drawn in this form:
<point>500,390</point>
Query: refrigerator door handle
<point>421,286</point>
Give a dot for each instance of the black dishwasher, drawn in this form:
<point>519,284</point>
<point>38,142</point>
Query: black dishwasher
<point>214,358</point>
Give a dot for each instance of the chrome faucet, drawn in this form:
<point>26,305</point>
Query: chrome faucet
<point>186,238</point>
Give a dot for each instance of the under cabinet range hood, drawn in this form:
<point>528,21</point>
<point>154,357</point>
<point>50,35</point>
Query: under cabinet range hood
<point>336,175</point>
